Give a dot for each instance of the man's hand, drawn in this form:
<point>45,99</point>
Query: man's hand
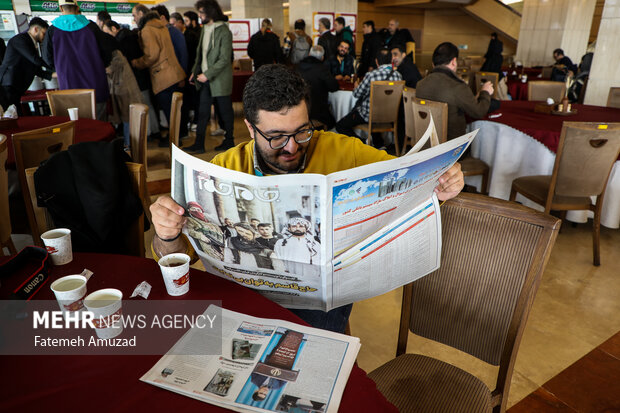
<point>338,77</point>
<point>450,183</point>
<point>133,62</point>
<point>488,87</point>
<point>191,79</point>
<point>54,75</point>
<point>167,217</point>
<point>201,78</point>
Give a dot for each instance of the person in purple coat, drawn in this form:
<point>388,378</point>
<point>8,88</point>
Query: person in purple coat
<point>74,46</point>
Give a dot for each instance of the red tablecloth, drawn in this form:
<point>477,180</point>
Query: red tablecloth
<point>240,77</point>
<point>346,85</point>
<point>547,128</point>
<point>529,71</point>
<point>86,130</point>
<point>34,95</point>
<point>516,88</point>
<point>111,383</point>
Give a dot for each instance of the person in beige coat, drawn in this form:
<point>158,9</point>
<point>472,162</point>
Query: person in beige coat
<point>159,57</point>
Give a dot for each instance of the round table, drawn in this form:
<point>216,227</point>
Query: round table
<point>111,383</point>
<point>517,89</point>
<point>86,130</point>
<point>341,103</point>
<point>522,142</point>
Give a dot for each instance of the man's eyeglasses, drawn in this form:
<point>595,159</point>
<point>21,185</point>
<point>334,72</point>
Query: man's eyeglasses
<point>280,141</point>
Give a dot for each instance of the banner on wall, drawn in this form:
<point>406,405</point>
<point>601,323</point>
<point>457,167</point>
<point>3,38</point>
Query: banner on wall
<point>123,8</point>
<point>6,4</point>
<point>242,30</point>
<point>316,16</point>
<point>85,6</point>
<point>350,20</point>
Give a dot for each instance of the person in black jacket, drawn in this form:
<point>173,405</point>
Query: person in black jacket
<point>393,35</point>
<point>370,47</point>
<point>264,46</point>
<point>321,82</point>
<point>327,39</point>
<point>2,50</point>
<point>404,64</point>
<point>21,63</point>
<point>342,66</point>
<point>493,57</point>
<point>563,65</point>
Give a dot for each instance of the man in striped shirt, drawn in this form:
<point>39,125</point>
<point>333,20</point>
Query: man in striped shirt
<point>359,114</point>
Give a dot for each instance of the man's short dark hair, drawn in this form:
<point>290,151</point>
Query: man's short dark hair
<point>325,22</point>
<point>384,57</point>
<point>558,51</point>
<point>162,11</point>
<point>103,16</point>
<point>341,21</point>
<point>111,23</point>
<point>345,41</point>
<point>152,15</point>
<point>177,16</point>
<point>212,10</point>
<point>69,8</point>
<point>38,22</point>
<point>401,47</point>
<point>273,88</point>
<point>257,397</point>
<point>264,225</point>
<point>299,24</point>
<point>444,53</point>
<point>370,23</point>
<point>141,8</point>
<point>192,16</point>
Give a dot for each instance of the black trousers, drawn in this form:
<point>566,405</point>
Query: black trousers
<point>346,124</point>
<point>227,116</point>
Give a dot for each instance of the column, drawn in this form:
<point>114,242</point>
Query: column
<point>605,71</point>
<point>250,9</point>
<point>550,24</point>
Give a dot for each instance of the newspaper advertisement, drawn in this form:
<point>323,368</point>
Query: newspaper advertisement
<point>265,365</point>
<point>314,241</point>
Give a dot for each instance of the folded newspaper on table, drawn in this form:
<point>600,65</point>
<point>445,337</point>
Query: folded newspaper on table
<point>264,365</point>
<point>318,241</point>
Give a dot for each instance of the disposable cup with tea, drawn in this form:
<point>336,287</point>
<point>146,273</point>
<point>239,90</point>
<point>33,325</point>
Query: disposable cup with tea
<point>175,271</point>
<point>106,306</point>
<point>70,292</point>
<point>58,244</point>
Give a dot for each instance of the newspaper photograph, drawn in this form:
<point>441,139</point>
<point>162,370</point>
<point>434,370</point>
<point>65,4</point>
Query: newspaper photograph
<point>312,241</point>
<point>266,365</point>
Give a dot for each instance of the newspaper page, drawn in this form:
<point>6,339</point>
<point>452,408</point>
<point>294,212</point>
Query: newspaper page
<point>313,241</point>
<point>265,365</point>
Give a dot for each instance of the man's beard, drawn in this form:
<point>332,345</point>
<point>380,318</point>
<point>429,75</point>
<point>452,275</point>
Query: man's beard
<point>298,233</point>
<point>272,161</point>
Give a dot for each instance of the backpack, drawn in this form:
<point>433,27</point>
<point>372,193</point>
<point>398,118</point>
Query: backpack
<point>300,49</point>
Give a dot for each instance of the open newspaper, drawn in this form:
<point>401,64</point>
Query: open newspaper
<point>314,241</point>
<point>265,365</point>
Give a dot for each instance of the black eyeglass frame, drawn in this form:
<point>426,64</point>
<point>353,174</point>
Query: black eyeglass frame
<point>288,136</point>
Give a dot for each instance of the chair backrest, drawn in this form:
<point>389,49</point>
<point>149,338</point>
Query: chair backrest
<point>613,100</point>
<point>540,90</point>
<point>482,77</point>
<point>138,129</point>
<point>385,98</point>
<point>546,72</point>
<point>422,109</point>
<point>494,253</point>
<point>135,234</point>
<point>245,65</point>
<point>175,118</point>
<point>33,147</point>
<point>408,98</point>
<point>463,73</point>
<point>5,218</point>
<point>83,99</point>
<point>586,153</point>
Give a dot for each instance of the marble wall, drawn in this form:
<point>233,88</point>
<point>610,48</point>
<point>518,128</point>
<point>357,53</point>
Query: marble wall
<point>272,9</point>
<point>605,71</point>
<point>550,24</point>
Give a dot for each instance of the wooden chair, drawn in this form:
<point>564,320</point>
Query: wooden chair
<point>138,128</point>
<point>135,234</point>
<point>385,96</point>
<point>494,253</point>
<point>5,217</point>
<point>540,90</point>
<point>482,77</point>
<point>83,99</point>
<point>33,147</point>
<point>613,99</point>
<point>546,72</point>
<point>175,119</point>
<point>586,153</point>
<point>408,97</point>
<point>422,110</point>
<point>464,73</point>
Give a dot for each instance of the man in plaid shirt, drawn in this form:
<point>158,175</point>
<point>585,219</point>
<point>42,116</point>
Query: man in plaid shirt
<point>360,112</point>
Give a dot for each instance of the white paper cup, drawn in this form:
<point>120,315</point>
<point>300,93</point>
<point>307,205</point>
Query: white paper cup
<point>106,306</point>
<point>175,270</point>
<point>73,113</point>
<point>58,245</point>
<point>70,292</point>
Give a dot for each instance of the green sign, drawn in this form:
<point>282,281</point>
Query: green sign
<point>119,7</point>
<point>41,5</point>
<point>6,5</point>
<point>91,6</point>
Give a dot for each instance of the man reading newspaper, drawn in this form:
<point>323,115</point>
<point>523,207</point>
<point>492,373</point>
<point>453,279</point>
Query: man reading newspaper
<point>276,104</point>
